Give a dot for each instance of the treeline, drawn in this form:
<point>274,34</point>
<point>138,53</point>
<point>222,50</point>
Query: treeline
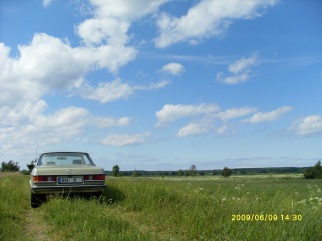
<point>235,171</point>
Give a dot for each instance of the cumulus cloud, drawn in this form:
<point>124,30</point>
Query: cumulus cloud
<point>125,139</point>
<point>308,126</point>
<point>112,20</point>
<point>170,113</point>
<point>208,118</point>
<point>48,64</point>
<point>241,70</point>
<point>103,31</point>
<point>28,126</point>
<point>268,116</point>
<point>207,123</point>
<point>126,9</point>
<point>173,68</point>
<point>207,18</point>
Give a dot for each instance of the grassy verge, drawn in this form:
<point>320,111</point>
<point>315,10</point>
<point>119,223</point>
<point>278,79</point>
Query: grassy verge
<point>170,209</point>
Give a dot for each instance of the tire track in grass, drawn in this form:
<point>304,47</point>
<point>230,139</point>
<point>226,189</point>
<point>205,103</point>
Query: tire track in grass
<point>36,228</point>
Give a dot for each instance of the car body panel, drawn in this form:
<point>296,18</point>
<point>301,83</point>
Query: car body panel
<point>80,174</point>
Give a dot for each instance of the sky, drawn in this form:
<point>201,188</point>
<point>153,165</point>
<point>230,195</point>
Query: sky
<point>162,84</point>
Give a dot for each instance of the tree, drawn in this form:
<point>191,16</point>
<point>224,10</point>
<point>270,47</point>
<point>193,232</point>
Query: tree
<point>10,166</point>
<point>186,173</point>
<point>226,172</point>
<point>180,173</point>
<point>116,171</point>
<point>318,170</point>
<point>135,173</point>
<point>313,172</point>
<point>193,170</point>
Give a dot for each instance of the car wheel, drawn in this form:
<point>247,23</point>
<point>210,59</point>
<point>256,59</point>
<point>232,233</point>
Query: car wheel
<point>35,200</point>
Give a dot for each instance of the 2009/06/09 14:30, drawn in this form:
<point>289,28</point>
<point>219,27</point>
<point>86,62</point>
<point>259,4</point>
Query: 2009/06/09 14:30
<point>266,217</point>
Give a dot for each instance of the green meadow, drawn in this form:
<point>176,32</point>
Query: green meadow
<point>257,207</point>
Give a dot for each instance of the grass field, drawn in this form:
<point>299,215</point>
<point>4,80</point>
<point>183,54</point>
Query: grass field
<point>263,207</point>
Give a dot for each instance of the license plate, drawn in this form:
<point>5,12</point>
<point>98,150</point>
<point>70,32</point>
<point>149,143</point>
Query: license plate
<point>70,180</point>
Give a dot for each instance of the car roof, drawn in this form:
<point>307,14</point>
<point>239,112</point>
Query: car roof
<point>65,152</point>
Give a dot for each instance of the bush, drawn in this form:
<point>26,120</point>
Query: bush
<point>10,166</point>
<point>309,173</point>
<point>25,172</point>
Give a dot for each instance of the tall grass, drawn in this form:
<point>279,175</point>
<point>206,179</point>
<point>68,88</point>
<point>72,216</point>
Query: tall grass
<point>13,195</point>
<point>187,212</point>
<point>82,219</point>
<point>170,209</point>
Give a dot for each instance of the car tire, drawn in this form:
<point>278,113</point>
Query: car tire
<point>35,200</point>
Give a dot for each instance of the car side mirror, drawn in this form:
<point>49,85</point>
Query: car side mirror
<point>31,166</point>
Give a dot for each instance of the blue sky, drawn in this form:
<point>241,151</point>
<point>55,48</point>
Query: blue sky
<point>160,84</point>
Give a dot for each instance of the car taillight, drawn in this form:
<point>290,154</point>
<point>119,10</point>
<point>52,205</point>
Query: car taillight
<point>44,178</point>
<point>100,177</point>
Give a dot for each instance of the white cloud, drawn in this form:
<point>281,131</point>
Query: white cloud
<point>173,68</point>
<point>153,86</point>
<point>107,91</point>
<point>126,9</point>
<point>222,130</point>
<point>125,139</point>
<point>105,122</point>
<point>193,129</point>
<point>206,124</point>
<point>112,20</point>
<point>207,18</point>
<point>48,64</point>
<point>171,113</point>
<point>241,70</point>
<point>27,125</point>
<point>36,129</point>
<point>211,114</point>
<point>46,3</point>
<point>308,126</point>
<point>104,31</point>
<point>232,80</point>
<point>243,64</point>
<point>268,116</point>
<point>115,90</point>
<point>236,112</point>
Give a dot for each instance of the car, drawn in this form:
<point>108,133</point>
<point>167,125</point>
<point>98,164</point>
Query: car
<point>65,173</point>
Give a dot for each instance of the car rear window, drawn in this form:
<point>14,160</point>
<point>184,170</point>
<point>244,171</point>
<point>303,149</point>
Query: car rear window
<point>64,159</point>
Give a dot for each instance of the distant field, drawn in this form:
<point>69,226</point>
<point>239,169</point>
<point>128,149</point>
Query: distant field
<point>255,207</point>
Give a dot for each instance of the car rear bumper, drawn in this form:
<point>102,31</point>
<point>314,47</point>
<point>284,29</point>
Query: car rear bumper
<point>67,189</point>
